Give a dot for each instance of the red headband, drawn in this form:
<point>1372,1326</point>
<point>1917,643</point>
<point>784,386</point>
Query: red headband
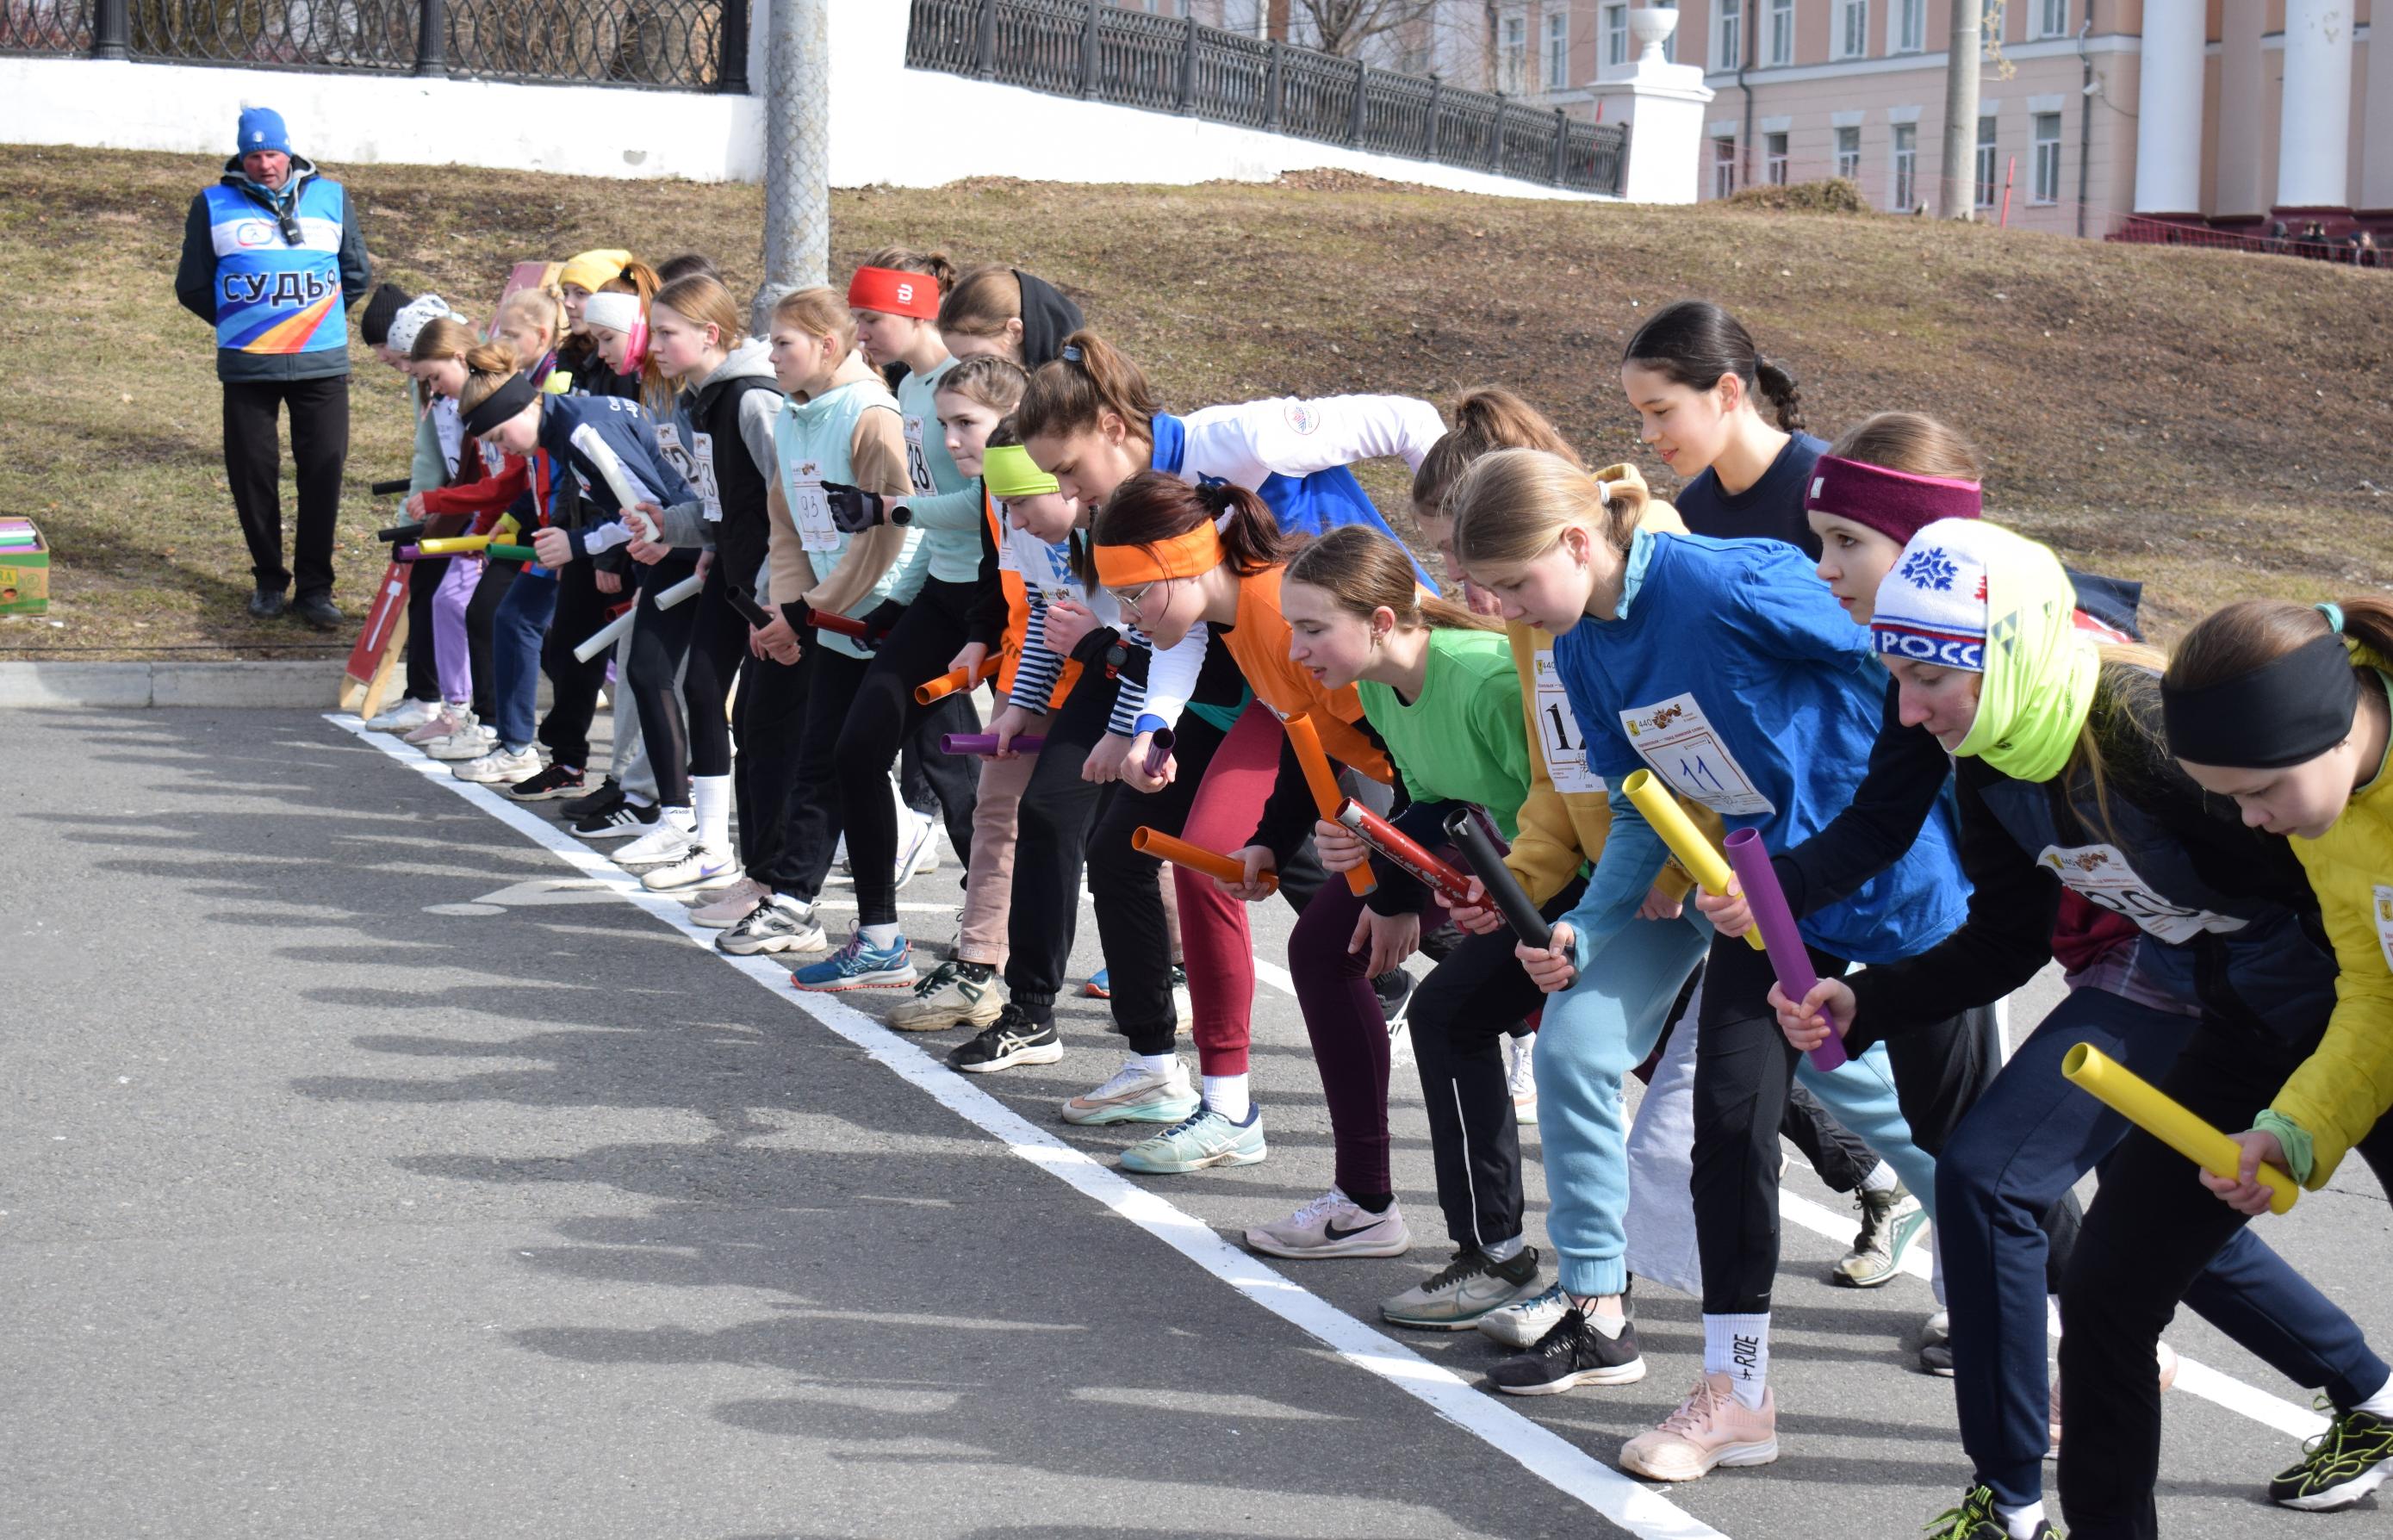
<point>1895,503</point>
<point>895,293</point>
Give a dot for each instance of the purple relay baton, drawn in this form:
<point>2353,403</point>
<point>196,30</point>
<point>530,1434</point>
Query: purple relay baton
<point>1789,958</point>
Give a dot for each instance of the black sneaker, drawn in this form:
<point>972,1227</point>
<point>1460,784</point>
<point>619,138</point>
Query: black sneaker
<point>555,781</point>
<point>605,797</point>
<point>1975,1519</point>
<point>267,602</point>
<point>616,822</point>
<point>319,611</point>
<point>1394,988</point>
<point>1573,1354</point>
<point>1013,1039</point>
<point>2353,1458</point>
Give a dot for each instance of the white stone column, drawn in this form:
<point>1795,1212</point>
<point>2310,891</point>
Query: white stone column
<point>2376,141</point>
<point>2314,134</point>
<point>1662,103</point>
<point>2169,108</point>
<point>2240,86</point>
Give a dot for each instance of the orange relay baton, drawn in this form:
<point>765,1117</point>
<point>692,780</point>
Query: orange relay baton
<point>1324,782</point>
<point>1180,853</point>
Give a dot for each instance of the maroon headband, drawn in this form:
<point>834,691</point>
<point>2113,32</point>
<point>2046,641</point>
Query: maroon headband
<point>1895,503</point>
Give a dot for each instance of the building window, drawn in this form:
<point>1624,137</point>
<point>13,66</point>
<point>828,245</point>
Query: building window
<point>1906,168</point>
<point>1987,156</point>
<point>1557,49</point>
<point>1723,167</point>
<point>1774,159</point>
<point>1615,35</point>
<point>2051,17</point>
<point>1782,32</point>
<point>1852,29</point>
<point>2048,158</point>
<point>1910,26</point>
<point>1848,154</point>
<point>1513,55</point>
<point>1728,35</point>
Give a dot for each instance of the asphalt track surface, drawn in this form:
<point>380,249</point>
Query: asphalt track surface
<point>372,1164</point>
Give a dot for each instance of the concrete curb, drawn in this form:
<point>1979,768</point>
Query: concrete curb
<point>312,686</point>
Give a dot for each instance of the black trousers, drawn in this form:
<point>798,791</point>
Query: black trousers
<point>2148,1242</point>
<point>771,706</point>
<point>659,641</point>
<point>815,810</point>
<point>1051,848</point>
<point>481,612</point>
<point>574,685</point>
<point>929,633</point>
<point>423,650</point>
<point>718,640</point>
<point>253,455</point>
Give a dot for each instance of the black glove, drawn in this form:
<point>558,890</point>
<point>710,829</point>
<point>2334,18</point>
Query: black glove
<point>884,617</point>
<point>854,510</point>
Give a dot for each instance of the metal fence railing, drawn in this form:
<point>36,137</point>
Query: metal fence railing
<point>1096,50</point>
<point>672,44</point>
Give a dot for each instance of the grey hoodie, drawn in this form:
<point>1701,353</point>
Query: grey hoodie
<point>734,482</point>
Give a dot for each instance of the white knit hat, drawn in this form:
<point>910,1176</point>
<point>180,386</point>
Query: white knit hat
<point>413,317</point>
<point>1932,605</point>
<point>616,312</point>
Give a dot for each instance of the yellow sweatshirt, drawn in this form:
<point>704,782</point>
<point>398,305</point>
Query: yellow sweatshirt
<point>2341,1090</point>
<point>1568,811</point>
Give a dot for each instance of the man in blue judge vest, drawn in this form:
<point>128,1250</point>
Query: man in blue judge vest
<point>272,258</point>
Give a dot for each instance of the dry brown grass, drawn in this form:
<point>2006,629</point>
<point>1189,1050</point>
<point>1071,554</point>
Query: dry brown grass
<point>2216,425</point>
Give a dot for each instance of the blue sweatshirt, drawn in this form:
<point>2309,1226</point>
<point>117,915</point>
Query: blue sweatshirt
<point>1732,674</point>
<point>625,427</point>
<point>1769,509</point>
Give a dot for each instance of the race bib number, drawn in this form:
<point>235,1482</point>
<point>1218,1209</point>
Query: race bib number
<point>917,467</point>
<point>1679,742</point>
<point>2100,874</point>
<point>1558,731</point>
<point>701,476</point>
<point>809,509</point>
<point>2384,897</point>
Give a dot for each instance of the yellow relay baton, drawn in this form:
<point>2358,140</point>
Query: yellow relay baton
<point>2143,1103</point>
<point>455,545</point>
<point>1704,863</point>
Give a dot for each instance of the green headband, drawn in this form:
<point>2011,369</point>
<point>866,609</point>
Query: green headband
<point>1010,473</point>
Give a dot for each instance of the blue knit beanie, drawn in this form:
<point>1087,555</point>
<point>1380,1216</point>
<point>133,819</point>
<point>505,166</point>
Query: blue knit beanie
<point>261,128</point>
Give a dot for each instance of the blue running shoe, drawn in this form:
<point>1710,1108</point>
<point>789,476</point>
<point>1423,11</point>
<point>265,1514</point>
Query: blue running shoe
<point>1204,1139</point>
<point>860,965</point>
<point>1100,985</point>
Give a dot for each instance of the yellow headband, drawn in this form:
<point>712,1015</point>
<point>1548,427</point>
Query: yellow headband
<point>1010,473</point>
<point>1181,557</point>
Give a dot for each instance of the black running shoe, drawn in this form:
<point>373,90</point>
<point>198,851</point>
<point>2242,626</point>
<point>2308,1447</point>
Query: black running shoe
<point>2353,1458</point>
<point>1975,1519</point>
<point>556,780</point>
<point>1574,1353</point>
<point>605,798</point>
<point>1013,1039</point>
<point>617,822</point>
<point>1394,988</point>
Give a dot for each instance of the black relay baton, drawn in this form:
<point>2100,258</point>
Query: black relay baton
<point>1480,854</point>
<point>393,487</point>
<point>404,534</point>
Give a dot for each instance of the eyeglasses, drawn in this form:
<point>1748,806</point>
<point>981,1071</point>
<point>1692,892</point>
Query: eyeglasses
<point>1131,599</point>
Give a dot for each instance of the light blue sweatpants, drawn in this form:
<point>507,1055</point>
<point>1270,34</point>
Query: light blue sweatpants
<point>1601,1027</point>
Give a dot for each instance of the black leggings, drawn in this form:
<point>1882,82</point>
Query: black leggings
<point>1051,846</point>
<point>480,612</point>
<point>771,706</point>
<point>581,610</point>
<point>422,651</point>
<point>660,642</point>
<point>815,808</point>
<point>929,633</point>
<point>718,640</point>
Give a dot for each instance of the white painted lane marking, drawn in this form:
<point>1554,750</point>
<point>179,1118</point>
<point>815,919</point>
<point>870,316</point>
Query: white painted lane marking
<point>1535,1448</point>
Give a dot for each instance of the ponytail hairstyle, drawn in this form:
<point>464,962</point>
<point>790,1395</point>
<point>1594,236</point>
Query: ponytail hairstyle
<point>1512,505</point>
<point>1366,571</point>
<point>981,303</point>
<point>1694,342</point>
<point>2251,635</point>
<point>543,306</point>
<point>994,383</point>
<point>1072,394</point>
<point>1155,506</point>
<point>445,337</point>
<point>904,259</point>
<point>488,366</point>
<point>704,301</point>
<point>1485,421</point>
<point>1912,443</point>
<point>818,312</point>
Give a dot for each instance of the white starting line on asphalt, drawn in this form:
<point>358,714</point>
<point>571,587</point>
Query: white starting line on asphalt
<point>1543,1452</point>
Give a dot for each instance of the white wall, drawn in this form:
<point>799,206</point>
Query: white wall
<point>891,125</point>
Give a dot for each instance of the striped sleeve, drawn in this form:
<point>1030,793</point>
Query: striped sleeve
<point>1036,672</point>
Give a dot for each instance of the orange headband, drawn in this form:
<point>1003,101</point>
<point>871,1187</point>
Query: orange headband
<point>1181,557</point>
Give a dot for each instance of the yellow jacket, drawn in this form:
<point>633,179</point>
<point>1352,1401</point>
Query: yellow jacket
<point>2341,1090</point>
<point>1561,830</point>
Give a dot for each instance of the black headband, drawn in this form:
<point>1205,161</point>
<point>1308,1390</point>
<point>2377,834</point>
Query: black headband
<point>2293,709</point>
<point>518,392</point>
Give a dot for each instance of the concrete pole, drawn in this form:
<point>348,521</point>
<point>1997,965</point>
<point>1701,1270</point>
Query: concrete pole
<point>797,152</point>
<point>2314,128</point>
<point>1955,195</point>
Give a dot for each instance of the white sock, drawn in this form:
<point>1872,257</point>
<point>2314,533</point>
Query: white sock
<point>2381,1403</point>
<point>881,937</point>
<point>680,819</point>
<point>1936,1266</point>
<point>1157,1063</point>
<point>710,799</point>
<point>1611,1324</point>
<point>1738,1345</point>
<point>2021,1521</point>
<point>1881,1179</point>
<point>1227,1094</point>
<point>633,799</point>
<point>1504,1251</point>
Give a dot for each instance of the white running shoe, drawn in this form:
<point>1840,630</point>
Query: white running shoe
<point>1521,1325</point>
<point>1520,1078</point>
<point>731,906</point>
<point>405,717</point>
<point>1136,1094</point>
<point>701,870</point>
<point>918,848</point>
<point>471,741</point>
<point>671,839</point>
<point>440,724</point>
<point>499,767</point>
<point>1334,1225</point>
